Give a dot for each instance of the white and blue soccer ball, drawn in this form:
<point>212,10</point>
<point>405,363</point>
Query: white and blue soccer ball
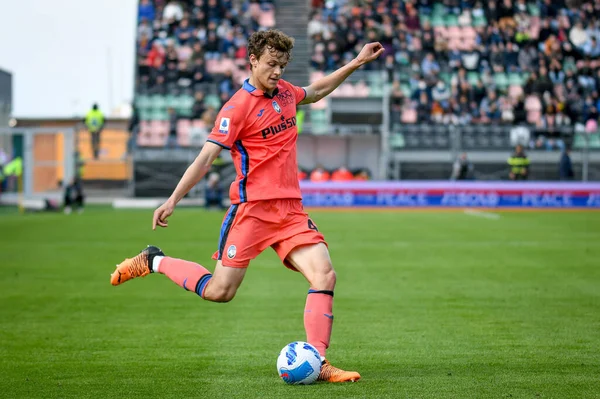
<point>299,363</point>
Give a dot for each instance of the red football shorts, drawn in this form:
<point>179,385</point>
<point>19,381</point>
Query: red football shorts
<point>251,227</point>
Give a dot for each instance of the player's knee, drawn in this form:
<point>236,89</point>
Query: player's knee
<point>330,279</point>
<point>220,294</point>
<point>324,279</point>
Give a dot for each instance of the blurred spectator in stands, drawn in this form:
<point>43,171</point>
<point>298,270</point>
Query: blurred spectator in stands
<point>73,196</point>
<point>172,12</point>
<point>146,10</point>
<point>389,67</point>
<point>342,174</point>
<point>462,169</point>
<point>412,20</point>
<point>319,174</point>
<point>172,137</point>
<point>590,112</point>
<point>471,59</point>
<point>226,85</point>
<point>520,114</point>
<point>423,108</point>
<point>145,29</point>
<point>441,94</point>
<point>315,24</point>
<point>591,47</point>
<point>94,121</point>
<point>133,128</point>
<point>209,116</point>
<point>199,107</point>
<point>211,46</point>
<point>199,74</point>
<point>396,101</point>
<point>565,168</point>
<point>527,57</point>
<point>156,55</point>
<point>543,83</point>
<point>429,66</point>
<point>518,164</point>
<point>511,57</point>
<point>578,36</point>
<point>213,194</point>
<point>184,32</point>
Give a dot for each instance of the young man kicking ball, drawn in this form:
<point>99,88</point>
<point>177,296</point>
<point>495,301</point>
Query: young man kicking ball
<point>258,126</point>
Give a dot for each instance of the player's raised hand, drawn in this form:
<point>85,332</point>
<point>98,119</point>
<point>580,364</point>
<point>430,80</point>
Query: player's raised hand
<point>161,214</point>
<point>370,52</point>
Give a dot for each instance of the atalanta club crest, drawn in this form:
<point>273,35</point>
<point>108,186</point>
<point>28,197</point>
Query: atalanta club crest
<point>276,107</point>
<point>231,251</point>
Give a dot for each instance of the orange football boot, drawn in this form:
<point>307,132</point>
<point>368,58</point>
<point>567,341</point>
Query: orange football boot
<point>138,266</point>
<point>333,374</point>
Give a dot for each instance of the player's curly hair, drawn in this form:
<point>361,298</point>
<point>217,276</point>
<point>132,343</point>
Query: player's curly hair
<point>274,40</point>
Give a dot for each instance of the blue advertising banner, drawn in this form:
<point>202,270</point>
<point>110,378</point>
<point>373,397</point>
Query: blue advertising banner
<point>452,194</point>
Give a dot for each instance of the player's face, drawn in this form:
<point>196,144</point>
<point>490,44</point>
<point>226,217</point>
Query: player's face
<point>267,70</point>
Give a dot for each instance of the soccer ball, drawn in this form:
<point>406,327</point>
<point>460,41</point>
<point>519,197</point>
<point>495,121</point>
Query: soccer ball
<point>299,363</point>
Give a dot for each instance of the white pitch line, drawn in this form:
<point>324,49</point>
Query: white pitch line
<point>481,214</point>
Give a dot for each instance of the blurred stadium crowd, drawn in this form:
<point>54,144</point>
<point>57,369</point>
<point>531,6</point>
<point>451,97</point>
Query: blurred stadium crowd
<point>463,61</point>
<point>191,58</point>
<point>453,62</point>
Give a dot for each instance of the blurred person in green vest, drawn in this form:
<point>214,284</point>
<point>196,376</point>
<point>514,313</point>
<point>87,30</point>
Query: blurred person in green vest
<point>94,121</point>
<point>9,173</point>
<point>300,119</point>
<point>519,164</point>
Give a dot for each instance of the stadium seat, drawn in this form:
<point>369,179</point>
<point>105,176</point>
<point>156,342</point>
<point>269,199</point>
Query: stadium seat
<point>159,128</point>
<point>454,32</point>
<point>465,19</point>
<point>183,127</point>
<point>441,32</point>
<point>468,136</point>
<point>533,103</point>
<point>472,78</point>
<point>316,75</point>
<point>212,66</point>
<point>184,53</point>
<point>437,20</point>
<point>515,91</point>
<point>142,102</point>
<point>267,18</point>
<point>468,32</point>
<point>185,104</point>
<point>479,22</point>
<point>157,141</point>
<point>158,102</point>
<point>451,20</point>
<point>534,117</point>
<point>397,141</point>
<point>159,114</point>
<point>212,101</point>
<point>409,115</point>
<point>411,136</point>
<point>361,90</point>
<point>515,79</point>
<point>501,81</point>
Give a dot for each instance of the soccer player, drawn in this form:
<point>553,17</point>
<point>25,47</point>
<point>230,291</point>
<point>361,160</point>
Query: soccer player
<point>258,126</point>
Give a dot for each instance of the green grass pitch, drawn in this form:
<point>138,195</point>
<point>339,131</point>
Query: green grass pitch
<point>428,305</point>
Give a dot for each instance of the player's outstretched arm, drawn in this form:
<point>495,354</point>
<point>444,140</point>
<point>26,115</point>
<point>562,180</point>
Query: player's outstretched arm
<point>329,83</point>
<point>194,173</point>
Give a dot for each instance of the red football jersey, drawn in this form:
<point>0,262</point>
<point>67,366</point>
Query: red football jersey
<point>260,130</point>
